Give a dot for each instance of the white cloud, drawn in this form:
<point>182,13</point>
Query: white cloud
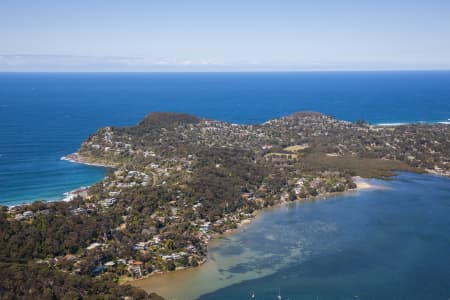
<point>73,63</point>
<point>26,62</point>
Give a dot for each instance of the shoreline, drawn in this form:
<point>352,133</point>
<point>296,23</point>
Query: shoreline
<point>394,124</point>
<point>362,184</point>
<point>81,191</point>
<point>71,194</point>
<point>76,158</point>
<point>68,196</point>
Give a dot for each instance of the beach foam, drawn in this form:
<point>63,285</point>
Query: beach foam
<point>391,124</point>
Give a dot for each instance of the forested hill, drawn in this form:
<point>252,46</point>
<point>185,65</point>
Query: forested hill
<point>421,146</point>
<point>178,180</point>
<point>165,120</point>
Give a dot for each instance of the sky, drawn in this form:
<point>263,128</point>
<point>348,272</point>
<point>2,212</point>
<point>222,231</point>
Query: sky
<point>227,35</point>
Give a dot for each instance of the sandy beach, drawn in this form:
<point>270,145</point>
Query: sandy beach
<point>365,184</point>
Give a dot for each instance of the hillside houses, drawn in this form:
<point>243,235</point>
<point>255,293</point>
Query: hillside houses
<point>179,180</point>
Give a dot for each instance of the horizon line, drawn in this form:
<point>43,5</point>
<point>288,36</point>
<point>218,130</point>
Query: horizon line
<point>236,71</point>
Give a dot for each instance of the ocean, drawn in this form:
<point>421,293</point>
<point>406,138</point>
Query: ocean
<point>386,243</point>
<point>44,116</point>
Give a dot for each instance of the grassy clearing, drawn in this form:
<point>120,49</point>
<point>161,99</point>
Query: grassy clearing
<point>295,148</point>
<point>364,167</point>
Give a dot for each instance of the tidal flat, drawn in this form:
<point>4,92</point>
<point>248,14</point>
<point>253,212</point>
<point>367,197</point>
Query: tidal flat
<point>373,243</point>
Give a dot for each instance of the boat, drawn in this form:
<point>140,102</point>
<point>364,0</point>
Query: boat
<point>279,294</point>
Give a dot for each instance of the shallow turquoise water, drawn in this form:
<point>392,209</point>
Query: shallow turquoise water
<point>45,116</point>
<point>391,243</point>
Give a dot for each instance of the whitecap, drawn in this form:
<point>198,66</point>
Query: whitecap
<point>390,124</point>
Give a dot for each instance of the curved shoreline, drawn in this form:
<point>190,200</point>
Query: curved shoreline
<point>162,281</point>
<point>76,158</point>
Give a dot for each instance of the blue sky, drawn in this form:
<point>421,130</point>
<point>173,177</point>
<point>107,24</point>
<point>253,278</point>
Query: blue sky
<point>231,35</point>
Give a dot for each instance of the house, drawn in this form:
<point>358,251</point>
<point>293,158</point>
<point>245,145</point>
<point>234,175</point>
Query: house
<point>110,264</point>
<point>140,246</point>
<point>93,246</point>
<point>248,196</point>
<point>28,214</point>
<point>205,227</point>
<point>108,202</point>
<point>132,173</point>
<point>19,217</point>
<point>78,211</point>
<point>113,194</point>
<point>191,249</point>
<point>156,240</point>
<point>166,257</point>
<point>195,206</point>
<point>24,216</point>
<point>135,267</point>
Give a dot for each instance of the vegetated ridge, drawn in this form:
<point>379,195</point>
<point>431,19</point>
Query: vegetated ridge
<point>179,179</point>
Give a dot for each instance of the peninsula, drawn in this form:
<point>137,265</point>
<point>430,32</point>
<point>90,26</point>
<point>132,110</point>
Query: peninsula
<point>177,180</point>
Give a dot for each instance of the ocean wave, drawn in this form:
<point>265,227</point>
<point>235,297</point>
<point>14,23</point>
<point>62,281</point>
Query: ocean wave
<point>415,122</point>
<point>391,124</point>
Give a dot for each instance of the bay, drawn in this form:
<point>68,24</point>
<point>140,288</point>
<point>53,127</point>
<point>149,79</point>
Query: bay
<point>391,242</point>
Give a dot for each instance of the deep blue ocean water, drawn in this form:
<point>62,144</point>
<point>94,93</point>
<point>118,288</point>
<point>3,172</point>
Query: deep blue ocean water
<point>386,244</point>
<point>44,116</point>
